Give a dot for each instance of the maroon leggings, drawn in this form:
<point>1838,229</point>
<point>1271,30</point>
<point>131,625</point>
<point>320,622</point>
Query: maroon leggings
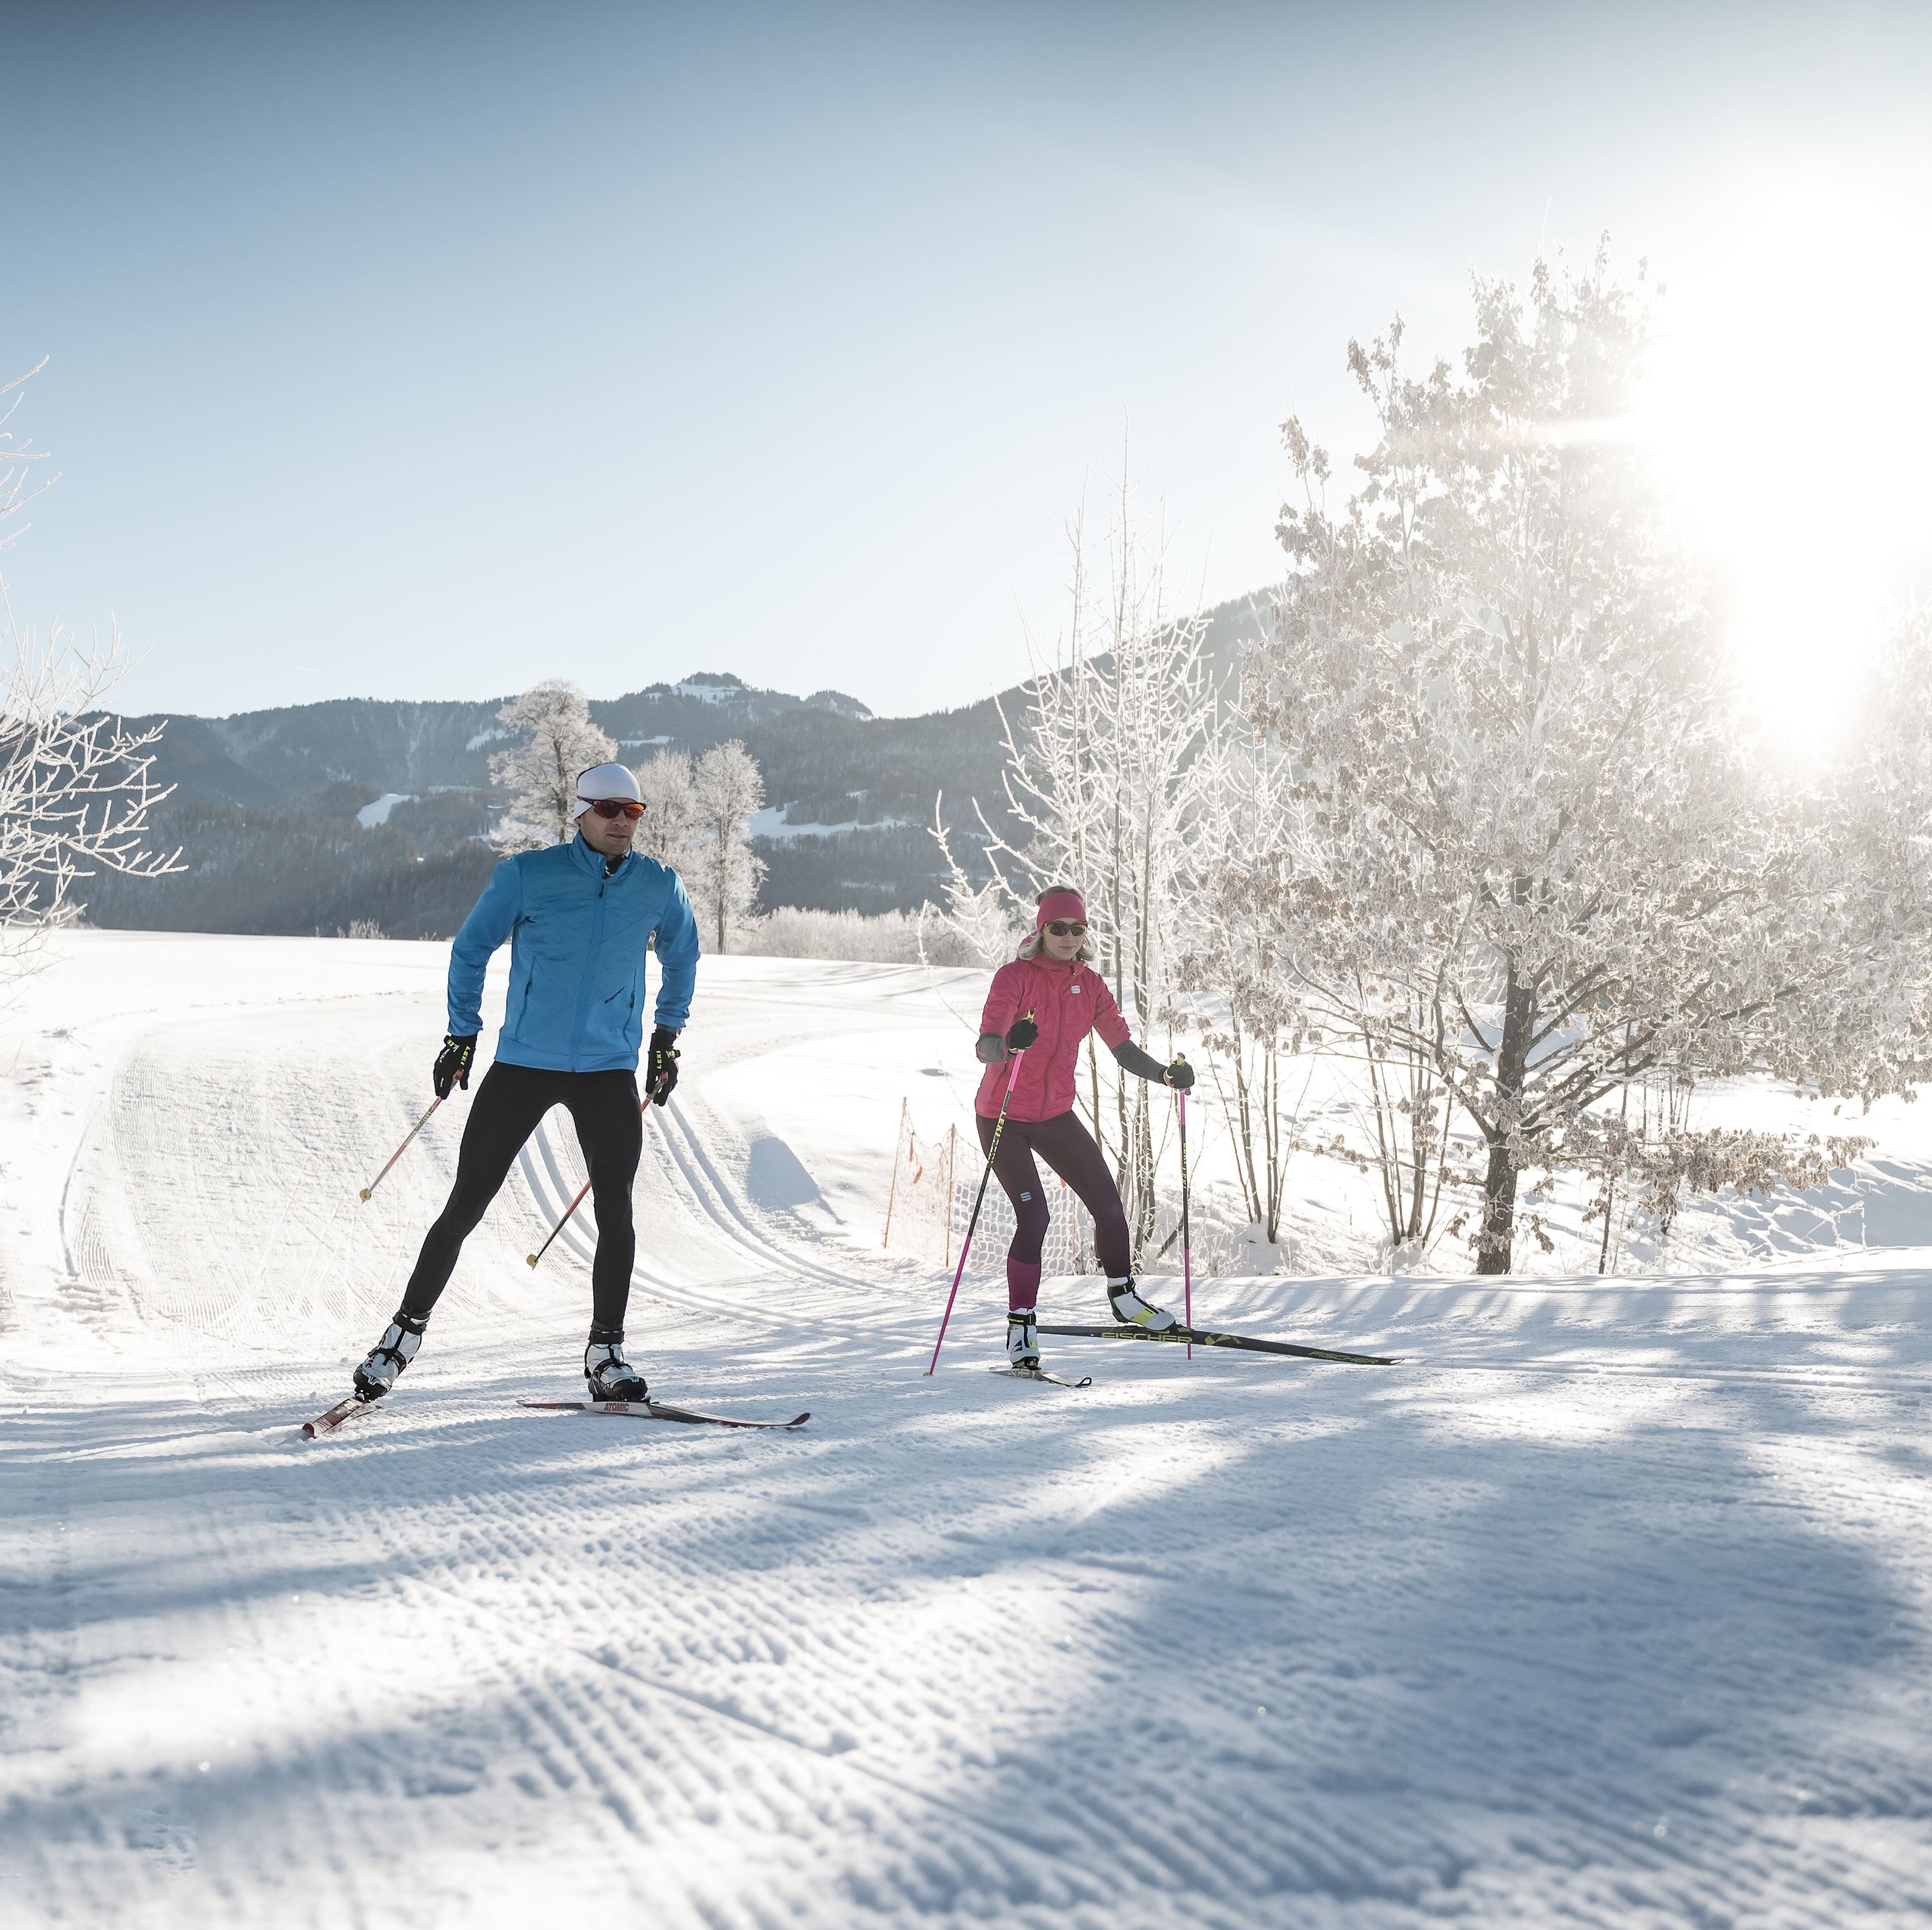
<point>1068,1148</point>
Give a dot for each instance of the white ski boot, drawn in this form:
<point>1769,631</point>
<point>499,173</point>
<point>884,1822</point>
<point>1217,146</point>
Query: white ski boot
<point>611,1375</point>
<point>1023,1340</point>
<point>1133,1311</point>
<point>389,1356</point>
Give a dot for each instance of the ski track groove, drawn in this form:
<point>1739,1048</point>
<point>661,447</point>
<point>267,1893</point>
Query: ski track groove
<point>644,1686</point>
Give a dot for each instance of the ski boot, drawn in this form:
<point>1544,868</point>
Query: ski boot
<point>390,1355</point>
<point>1022,1341</point>
<point>612,1377</point>
<point>1133,1311</point>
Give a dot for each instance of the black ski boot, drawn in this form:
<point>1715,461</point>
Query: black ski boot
<point>612,1377</point>
<point>390,1355</point>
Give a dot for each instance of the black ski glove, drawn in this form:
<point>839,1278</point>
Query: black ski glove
<point>1021,1034</point>
<point>453,1065</point>
<point>1179,1076</point>
<point>660,1065</point>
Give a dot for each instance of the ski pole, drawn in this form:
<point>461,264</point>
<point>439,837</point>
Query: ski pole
<point>399,1151</point>
<point>992,1153</point>
<point>1186,1257</point>
<point>530,1259</point>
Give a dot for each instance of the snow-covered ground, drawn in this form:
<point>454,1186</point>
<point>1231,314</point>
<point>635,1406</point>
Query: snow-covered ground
<point>1611,1604</point>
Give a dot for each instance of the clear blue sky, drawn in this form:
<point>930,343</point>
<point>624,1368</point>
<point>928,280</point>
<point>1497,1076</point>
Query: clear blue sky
<point>425,351</point>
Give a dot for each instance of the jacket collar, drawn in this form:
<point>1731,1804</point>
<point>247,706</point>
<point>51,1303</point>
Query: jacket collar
<point>590,861</point>
<point>1070,970</point>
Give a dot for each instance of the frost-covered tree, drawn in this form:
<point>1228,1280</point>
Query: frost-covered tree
<point>1229,954</point>
<point>1103,776</point>
<point>1530,837</point>
<point>76,783</point>
<point>727,792</point>
<point>979,921</point>
<point>1876,805</point>
<point>669,829</point>
<point>558,740</point>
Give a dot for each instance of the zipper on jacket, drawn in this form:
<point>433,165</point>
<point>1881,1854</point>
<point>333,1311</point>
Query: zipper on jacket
<point>589,973</point>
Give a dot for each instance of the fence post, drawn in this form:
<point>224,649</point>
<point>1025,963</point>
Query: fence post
<point>952,1146</point>
<point>898,1148</point>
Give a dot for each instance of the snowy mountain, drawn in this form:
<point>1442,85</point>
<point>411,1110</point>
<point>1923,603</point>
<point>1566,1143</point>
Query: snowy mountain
<point>307,818</point>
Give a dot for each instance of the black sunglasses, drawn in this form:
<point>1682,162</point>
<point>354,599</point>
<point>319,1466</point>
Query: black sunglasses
<point>1065,928</point>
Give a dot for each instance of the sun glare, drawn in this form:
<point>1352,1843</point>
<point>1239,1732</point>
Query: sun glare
<point>1790,402</point>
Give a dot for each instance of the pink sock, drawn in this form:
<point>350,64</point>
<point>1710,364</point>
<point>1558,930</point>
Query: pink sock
<point>1023,1284</point>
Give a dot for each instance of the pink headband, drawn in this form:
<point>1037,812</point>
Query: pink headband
<point>1060,904</point>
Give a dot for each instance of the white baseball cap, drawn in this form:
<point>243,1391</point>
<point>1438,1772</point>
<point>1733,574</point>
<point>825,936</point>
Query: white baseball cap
<point>607,781</point>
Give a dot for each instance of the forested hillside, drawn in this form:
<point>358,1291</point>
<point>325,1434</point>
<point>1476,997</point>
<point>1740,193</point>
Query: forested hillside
<point>310,818</point>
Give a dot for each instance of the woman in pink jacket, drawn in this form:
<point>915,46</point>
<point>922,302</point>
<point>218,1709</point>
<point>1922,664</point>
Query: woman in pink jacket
<point>1044,1004</point>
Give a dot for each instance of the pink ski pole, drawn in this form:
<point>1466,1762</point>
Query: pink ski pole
<point>1186,1256</point>
<point>992,1152</point>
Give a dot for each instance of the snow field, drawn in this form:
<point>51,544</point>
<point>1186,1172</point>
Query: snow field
<point>1609,1606</point>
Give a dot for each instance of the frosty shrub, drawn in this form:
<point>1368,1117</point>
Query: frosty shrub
<point>559,740</point>
<point>1528,847</point>
<point>76,785</point>
<point>884,938</point>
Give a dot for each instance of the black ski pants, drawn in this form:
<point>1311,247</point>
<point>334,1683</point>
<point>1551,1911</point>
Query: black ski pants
<point>505,1112</point>
<point>1068,1148</point>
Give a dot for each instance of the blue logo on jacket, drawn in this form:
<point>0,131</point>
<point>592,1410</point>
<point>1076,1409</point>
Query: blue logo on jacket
<point>578,936</point>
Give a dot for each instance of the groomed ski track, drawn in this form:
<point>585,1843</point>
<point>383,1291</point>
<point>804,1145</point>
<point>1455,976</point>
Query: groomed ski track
<point>1611,1605</point>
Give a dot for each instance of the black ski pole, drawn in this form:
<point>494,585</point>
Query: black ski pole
<point>992,1152</point>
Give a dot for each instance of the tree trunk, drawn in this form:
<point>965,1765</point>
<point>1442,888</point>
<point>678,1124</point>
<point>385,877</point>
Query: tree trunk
<point>1499,1185</point>
<point>1498,1210</point>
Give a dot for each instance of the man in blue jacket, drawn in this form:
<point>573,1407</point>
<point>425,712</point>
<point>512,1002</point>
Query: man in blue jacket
<point>578,917</point>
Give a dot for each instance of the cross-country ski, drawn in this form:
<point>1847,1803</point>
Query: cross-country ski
<point>343,1411</point>
<point>658,1410</point>
<point>1042,1374</point>
<point>1201,1337</point>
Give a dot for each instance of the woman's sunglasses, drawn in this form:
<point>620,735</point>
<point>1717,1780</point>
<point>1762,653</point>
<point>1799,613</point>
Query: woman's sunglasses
<point>1065,928</point>
<point>617,807</point>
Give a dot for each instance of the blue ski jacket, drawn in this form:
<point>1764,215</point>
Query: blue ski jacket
<point>578,938</point>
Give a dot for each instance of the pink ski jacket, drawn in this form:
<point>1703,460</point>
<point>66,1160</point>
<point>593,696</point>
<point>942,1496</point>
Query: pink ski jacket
<point>1067,1002</point>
